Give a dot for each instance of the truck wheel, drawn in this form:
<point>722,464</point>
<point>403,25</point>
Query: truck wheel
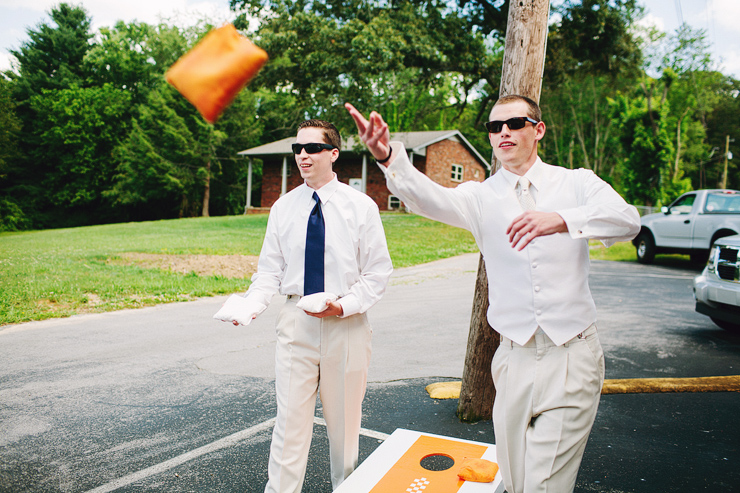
<point>699,257</point>
<point>645,248</point>
<point>726,325</point>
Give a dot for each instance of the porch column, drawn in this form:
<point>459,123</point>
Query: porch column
<point>249,186</point>
<point>364,173</point>
<point>284,185</point>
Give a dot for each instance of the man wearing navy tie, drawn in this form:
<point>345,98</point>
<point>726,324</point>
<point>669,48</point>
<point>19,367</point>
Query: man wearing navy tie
<point>326,239</point>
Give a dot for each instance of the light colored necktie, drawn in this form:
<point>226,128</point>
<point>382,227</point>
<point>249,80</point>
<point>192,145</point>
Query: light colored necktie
<point>525,198</point>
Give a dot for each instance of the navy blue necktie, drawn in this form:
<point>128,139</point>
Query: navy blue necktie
<point>313,275</point>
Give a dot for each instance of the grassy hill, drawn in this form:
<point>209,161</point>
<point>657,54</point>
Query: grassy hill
<point>62,272</point>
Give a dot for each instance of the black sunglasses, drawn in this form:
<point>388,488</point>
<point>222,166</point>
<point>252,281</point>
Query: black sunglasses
<point>515,123</point>
<point>311,148</point>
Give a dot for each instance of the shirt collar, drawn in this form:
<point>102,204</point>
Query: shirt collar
<point>534,175</point>
<point>326,192</point>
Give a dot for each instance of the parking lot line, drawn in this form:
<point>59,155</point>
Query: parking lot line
<point>228,441</point>
<point>363,431</point>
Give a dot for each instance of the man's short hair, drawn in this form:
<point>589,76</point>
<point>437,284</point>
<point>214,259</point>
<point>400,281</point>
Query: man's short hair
<point>533,110</point>
<point>331,134</point>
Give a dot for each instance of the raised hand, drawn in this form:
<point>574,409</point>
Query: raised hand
<point>374,134</point>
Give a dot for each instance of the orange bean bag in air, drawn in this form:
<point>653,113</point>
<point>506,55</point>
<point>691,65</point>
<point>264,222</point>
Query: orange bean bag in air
<point>212,73</point>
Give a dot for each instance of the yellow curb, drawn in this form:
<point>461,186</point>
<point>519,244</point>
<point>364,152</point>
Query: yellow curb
<point>451,390</point>
<point>650,385</point>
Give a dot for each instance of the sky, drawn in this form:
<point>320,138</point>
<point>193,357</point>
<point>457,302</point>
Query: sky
<point>719,18</point>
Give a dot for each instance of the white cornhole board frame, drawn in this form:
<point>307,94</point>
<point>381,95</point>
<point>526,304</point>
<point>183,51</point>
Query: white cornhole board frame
<point>372,469</point>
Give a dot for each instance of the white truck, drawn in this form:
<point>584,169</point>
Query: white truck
<point>717,289</point>
<point>690,225</point>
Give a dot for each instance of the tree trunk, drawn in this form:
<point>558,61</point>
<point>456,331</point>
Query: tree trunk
<point>524,60</point>
<point>477,392</point>
<point>207,191</point>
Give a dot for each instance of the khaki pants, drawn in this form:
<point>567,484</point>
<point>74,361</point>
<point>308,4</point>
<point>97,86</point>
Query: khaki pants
<point>328,356</point>
<point>545,406</point>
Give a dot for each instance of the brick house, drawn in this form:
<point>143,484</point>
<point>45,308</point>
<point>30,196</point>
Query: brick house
<point>445,156</point>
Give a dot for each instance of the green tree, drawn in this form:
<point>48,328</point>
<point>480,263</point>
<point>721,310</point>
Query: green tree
<point>242,125</point>
<point>165,161</point>
<point>592,54</point>
<point>695,91</point>
<point>12,217</point>
<point>324,53</point>
<point>722,122</point>
<point>53,58</point>
<point>134,56</point>
<point>648,151</point>
<point>10,127</point>
<point>79,127</point>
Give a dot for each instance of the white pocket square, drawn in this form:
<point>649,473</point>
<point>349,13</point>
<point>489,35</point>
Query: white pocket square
<point>316,303</point>
<point>239,309</point>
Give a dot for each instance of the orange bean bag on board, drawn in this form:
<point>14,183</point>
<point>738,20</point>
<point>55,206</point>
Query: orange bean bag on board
<point>478,470</point>
<point>212,73</point>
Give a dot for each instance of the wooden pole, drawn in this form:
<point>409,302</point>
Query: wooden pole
<point>724,173</point>
<point>523,66</point>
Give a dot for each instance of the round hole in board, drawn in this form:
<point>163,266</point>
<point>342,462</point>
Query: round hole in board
<point>437,462</point>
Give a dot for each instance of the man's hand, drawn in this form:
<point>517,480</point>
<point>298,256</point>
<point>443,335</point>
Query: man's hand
<point>238,324</point>
<point>373,132</point>
<point>532,224</point>
<point>335,309</point>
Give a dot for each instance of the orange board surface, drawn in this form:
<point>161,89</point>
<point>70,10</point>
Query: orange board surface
<point>408,475</point>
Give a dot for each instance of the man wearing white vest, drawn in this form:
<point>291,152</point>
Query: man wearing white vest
<point>532,222</point>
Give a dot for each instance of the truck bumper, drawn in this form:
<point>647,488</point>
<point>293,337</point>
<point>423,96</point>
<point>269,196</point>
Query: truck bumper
<point>717,299</point>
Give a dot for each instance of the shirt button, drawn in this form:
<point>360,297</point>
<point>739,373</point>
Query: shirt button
<point>539,312</point>
<point>536,289</point>
<point>534,265</point>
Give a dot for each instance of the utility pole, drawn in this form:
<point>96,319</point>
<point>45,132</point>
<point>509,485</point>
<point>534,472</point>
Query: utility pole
<point>727,153</point>
<point>523,67</point>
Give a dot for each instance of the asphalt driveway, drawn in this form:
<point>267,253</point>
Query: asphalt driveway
<point>168,399</point>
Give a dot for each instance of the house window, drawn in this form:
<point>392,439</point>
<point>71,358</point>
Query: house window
<point>457,172</point>
<point>394,202</point>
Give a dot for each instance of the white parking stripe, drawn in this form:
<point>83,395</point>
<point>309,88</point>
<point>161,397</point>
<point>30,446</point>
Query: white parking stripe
<point>180,459</point>
<point>363,431</point>
<point>206,449</point>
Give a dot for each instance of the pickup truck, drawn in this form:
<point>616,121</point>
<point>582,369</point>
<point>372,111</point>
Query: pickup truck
<point>690,225</point>
<point>717,289</point>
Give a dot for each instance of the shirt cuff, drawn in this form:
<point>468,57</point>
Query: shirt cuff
<point>575,220</point>
<point>350,305</point>
<point>396,167</point>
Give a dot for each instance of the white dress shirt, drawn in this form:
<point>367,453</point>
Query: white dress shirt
<point>545,284</point>
<point>357,265</point>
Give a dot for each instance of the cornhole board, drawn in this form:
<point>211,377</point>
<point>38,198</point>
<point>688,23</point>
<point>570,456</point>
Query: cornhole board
<point>396,466</point>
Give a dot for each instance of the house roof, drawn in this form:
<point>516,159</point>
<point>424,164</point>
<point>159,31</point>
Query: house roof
<point>416,142</point>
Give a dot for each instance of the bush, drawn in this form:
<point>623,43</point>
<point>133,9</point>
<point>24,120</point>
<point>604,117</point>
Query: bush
<point>12,217</point>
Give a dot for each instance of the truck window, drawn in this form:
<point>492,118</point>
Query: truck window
<point>683,204</point>
<point>723,203</point>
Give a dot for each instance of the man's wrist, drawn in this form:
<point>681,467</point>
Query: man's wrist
<point>384,161</point>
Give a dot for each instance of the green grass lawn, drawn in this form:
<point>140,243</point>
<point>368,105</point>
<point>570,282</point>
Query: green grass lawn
<point>62,272</point>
